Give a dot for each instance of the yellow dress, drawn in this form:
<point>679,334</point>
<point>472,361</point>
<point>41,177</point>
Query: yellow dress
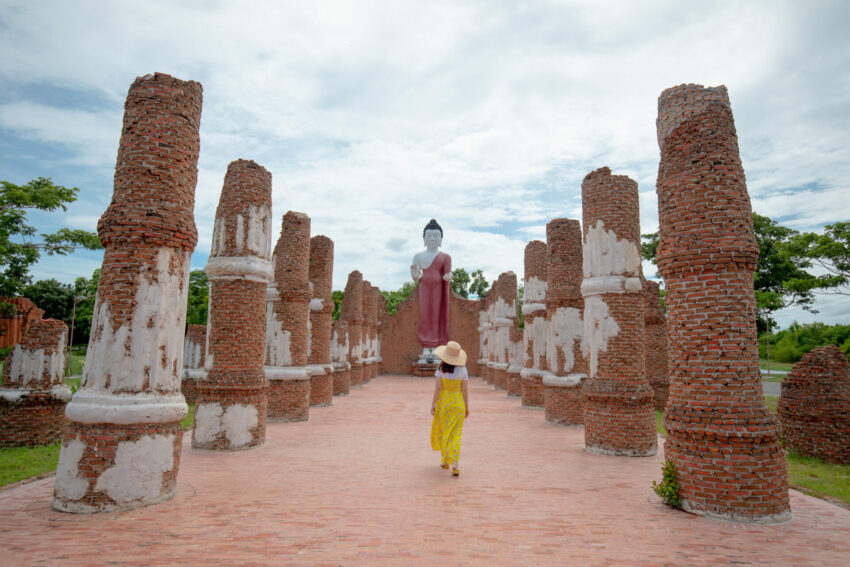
<point>447,426</point>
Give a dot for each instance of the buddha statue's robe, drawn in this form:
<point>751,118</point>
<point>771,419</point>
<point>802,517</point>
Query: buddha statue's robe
<point>434,302</point>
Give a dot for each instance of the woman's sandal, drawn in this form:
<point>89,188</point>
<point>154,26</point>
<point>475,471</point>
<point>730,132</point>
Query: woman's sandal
<point>455,471</point>
<point>444,465</point>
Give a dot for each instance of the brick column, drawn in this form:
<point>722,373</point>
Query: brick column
<point>382,316</point>
<point>34,394</point>
<point>230,411</point>
<point>121,448</point>
<point>484,328</point>
<point>715,415</point>
<point>368,306</point>
<point>321,318</point>
<point>535,329</point>
<point>566,364</point>
<point>814,408</point>
<point>618,402</point>
<point>351,314</point>
<point>374,294</point>
<point>339,356</point>
<point>287,318</point>
<point>194,357</point>
<point>656,343</point>
<point>502,323</point>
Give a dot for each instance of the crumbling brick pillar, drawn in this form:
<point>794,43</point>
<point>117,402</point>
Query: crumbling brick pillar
<point>483,339</point>
<point>231,407</point>
<point>194,357</point>
<point>339,356</point>
<point>34,394</point>
<point>287,319</point>
<point>715,415</point>
<point>565,359</point>
<point>351,313</point>
<point>814,408</point>
<point>381,317</point>
<point>121,448</point>
<point>618,402</point>
<point>372,344</point>
<point>656,343</point>
<point>368,306</point>
<point>321,319</point>
<point>536,328</point>
<point>504,317</point>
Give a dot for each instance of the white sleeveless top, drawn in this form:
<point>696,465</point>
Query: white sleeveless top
<point>459,373</point>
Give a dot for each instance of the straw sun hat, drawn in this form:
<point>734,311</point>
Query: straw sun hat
<point>451,353</point>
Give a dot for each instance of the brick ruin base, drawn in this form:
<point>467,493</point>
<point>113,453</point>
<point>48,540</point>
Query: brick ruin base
<point>341,378</point>
<point>245,406</point>
<point>513,384</point>
<point>356,375</point>
<point>563,400</point>
<point>499,373</point>
<point>289,399</point>
<point>532,388</point>
<point>814,408</point>
<point>98,472</point>
<point>36,418</point>
<point>321,388</point>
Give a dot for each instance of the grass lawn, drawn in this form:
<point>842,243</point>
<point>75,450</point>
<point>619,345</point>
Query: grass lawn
<point>18,463</point>
<point>782,366</point>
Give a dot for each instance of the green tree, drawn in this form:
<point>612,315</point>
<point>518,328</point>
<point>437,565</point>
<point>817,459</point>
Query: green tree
<point>830,251</point>
<point>479,285</point>
<point>649,246</point>
<point>18,251</point>
<point>199,294</point>
<point>460,282</point>
<point>86,292</point>
<point>337,297</point>
<point>396,298</point>
<point>56,298</point>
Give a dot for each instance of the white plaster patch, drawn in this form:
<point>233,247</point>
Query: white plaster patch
<point>192,354</point>
<point>565,327</point>
<point>239,233</point>
<point>69,484</point>
<point>538,330</point>
<point>29,366</point>
<point>259,231</point>
<point>317,304</point>
<point>138,469</point>
<point>147,353</point>
<point>249,268</point>
<point>219,235</point>
<point>278,351</point>
<point>598,329</point>
<point>535,290</point>
<point>515,354</point>
<point>94,406</point>
<point>504,310</point>
<point>61,392</point>
<point>605,254</point>
<point>339,346</point>
<point>236,423</point>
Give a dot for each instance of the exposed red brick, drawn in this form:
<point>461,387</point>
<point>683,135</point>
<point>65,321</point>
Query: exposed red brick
<point>535,328</point>
<point>321,319</point>
<point>13,327</point>
<point>715,412</point>
<point>135,348</point>
<point>351,312</point>
<point>194,357</point>
<point>34,394</point>
<point>814,408</point>
<point>618,401</point>
<point>239,271</point>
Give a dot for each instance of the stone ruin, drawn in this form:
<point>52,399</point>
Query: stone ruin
<point>339,357</point>
<point>33,393</point>
<point>121,447</point>
<point>351,313</point>
<point>194,357</point>
<point>715,413</point>
<point>485,331</point>
<point>287,319</point>
<point>321,320</point>
<point>231,407</point>
<point>368,306</point>
<point>505,337</point>
<point>655,325</point>
<point>535,329</point>
<point>565,359</point>
<point>814,408</point>
<point>13,327</point>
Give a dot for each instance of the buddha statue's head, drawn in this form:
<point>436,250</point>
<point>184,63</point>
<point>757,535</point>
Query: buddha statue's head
<point>432,234</point>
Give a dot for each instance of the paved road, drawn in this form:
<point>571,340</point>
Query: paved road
<point>358,484</point>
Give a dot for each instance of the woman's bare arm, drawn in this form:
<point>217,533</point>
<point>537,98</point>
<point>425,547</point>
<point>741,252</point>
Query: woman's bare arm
<point>437,387</point>
<point>463,390</point>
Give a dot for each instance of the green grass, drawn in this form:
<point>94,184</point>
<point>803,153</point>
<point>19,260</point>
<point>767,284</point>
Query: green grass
<point>659,423</point>
<point>783,366</point>
<point>816,477</point>
<point>189,421</point>
<point>77,361</point>
<point>18,463</point>
<point>771,402</point>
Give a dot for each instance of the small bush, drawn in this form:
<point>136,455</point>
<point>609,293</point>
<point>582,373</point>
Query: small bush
<point>668,488</point>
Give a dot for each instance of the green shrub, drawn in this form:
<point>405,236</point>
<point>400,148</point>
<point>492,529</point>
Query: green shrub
<point>668,488</point>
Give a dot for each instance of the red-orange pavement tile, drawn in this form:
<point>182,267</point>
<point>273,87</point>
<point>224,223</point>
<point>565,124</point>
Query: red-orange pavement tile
<point>358,484</point>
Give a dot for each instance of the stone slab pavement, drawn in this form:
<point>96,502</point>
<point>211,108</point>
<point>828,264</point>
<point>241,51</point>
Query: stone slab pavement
<point>358,484</point>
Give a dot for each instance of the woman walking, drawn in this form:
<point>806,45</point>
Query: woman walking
<point>450,405</point>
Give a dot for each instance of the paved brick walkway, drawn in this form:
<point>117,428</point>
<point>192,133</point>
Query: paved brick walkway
<point>359,485</point>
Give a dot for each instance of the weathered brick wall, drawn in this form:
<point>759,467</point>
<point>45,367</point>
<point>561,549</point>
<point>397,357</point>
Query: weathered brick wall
<point>368,307</point>
<point>564,326</point>
<point>287,321</point>
<point>33,393</point>
<point>194,359</point>
<point>715,413</point>
<point>381,317</point>
<point>13,328</point>
<point>562,399</point>
<point>618,401</point>
<point>655,322</point>
<point>535,329</point>
<point>485,330</point>
<point>339,356</point>
<point>504,318</point>
<point>351,312</point>
<point>814,408</point>
<point>148,233</point>
<point>321,318</point>
<point>400,347</point>
<point>231,406</point>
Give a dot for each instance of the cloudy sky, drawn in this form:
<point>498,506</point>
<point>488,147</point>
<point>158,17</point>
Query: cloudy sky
<point>374,117</point>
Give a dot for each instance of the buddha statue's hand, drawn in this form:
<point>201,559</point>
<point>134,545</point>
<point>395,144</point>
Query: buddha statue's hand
<point>447,277</point>
<point>415,272</point>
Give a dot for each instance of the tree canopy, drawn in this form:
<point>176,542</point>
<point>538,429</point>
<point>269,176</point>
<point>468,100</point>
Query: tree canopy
<point>831,252</point>
<point>18,249</point>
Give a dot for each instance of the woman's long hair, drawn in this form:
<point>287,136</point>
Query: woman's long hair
<point>446,368</point>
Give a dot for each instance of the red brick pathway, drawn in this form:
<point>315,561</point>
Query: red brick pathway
<point>358,484</point>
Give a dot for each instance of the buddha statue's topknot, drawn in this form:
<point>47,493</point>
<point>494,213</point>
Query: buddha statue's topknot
<point>432,225</point>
